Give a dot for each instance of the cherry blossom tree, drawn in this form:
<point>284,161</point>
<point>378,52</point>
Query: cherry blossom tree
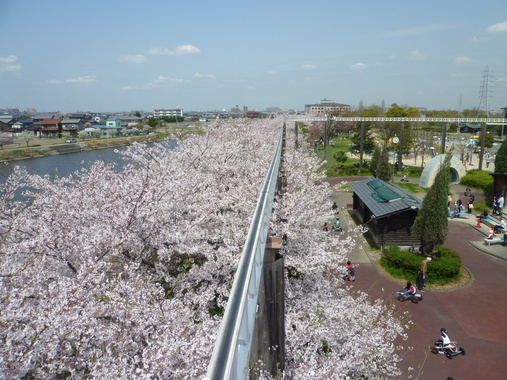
<point>125,272</point>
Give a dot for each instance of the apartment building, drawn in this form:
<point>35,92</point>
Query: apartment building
<point>327,106</point>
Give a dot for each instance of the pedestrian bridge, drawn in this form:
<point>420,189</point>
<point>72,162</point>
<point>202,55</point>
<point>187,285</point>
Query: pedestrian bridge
<point>500,121</point>
<point>254,317</point>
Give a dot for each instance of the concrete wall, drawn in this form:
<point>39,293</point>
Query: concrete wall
<point>268,342</point>
<point>432,168</point>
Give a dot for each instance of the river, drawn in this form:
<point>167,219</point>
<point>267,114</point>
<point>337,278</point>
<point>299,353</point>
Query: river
<point>64,164</point>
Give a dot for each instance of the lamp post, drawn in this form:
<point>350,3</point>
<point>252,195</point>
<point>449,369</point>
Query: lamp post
<point>395,140</point>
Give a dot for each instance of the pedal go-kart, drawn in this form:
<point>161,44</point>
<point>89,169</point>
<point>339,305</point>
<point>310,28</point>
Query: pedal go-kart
<point>450,350</point>
<point>413,298</point>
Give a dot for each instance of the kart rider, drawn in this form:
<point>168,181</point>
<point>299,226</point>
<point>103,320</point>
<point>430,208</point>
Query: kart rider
<point>350,271</point>
<point>444,338</point>
<point>409,290</point>
<point>337,225</point>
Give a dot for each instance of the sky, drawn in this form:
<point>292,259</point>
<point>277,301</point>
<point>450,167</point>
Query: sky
<point>124,55</point>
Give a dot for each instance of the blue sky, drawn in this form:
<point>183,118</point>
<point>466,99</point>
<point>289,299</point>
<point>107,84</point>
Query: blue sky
<point>122,55</point>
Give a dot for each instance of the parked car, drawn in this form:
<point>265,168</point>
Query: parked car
<point>71,140</point>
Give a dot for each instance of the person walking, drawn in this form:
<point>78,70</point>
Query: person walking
<point>423,274</point>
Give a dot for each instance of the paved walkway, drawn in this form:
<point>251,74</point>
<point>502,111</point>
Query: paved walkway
<point>475,315</point>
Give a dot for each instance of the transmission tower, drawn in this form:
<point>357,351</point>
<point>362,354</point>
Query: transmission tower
<point>483,93</point>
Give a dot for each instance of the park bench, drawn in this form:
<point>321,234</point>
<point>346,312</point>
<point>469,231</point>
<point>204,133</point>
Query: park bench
<point>493,241</point>
<point>458,215</point>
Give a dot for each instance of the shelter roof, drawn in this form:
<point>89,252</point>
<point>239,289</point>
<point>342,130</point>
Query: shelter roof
<point>384,198</point>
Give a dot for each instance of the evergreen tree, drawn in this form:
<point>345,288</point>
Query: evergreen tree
<point>374,161</point>
<point>384,170</point>
<point>431,223</point>
<point>379,164</point>
<point>501,158</point>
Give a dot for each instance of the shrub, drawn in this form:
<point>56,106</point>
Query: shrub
<point>405,265</point>
<point>414,171</point>
<point>478,179</point>
<point>400,264</point>
<point>446,268</point>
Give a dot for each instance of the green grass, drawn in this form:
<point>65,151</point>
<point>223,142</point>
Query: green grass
<point>413,188</point>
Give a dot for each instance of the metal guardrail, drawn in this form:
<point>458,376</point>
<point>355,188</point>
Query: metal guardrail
<point>230,358</point>
<point>414,119</point>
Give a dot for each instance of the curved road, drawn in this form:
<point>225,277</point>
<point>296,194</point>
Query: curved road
<point>475,316</point>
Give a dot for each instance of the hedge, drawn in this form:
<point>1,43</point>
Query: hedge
<point>405,265</point>
<point>478,179</point>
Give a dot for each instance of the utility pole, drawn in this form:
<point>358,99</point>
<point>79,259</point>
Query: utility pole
<point>326,126</point>
<point>443,138</point>
<point>483,140</point>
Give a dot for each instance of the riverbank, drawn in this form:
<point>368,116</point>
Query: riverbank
<point>47,146</point>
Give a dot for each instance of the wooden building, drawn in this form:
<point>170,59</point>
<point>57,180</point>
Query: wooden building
<point>387,210</point>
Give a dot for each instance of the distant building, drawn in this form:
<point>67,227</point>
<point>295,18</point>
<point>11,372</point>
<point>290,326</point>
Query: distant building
<point>51,127</point>
<point>327,106</point>
<point>113,122</point>
<point>168,113</point>
<point>72,125</point>
<point>14,112</point>
<point>252,115</point>
<point>4,127</point>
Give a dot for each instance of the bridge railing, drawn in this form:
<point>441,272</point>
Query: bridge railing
<point>501,121</point>
<point>230,358</point>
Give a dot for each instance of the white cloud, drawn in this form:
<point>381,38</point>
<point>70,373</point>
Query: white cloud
<point>500,27</point>
<point>54,81</point>
<point>11,68</point>
<point>130,88</point>
<point>87,79</point>
<point>416,55</point>
<point>161,80</point>
<point>308,66</point>
<point>462,60</point>
<point>164,79</point>
<point>204,76</point>
<point>132,58</point>
<point>358,66</point>
<point>8,59</point>
<point>176,52</point>
<point>272,72</point>
<point>9,63</point>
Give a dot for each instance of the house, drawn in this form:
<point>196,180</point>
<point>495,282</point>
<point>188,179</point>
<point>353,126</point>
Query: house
<point>4,127</point>
<point>387,210</point>
<point>72,125</point>
<point>51,127</point>
<point>113,122</point>
<point>130,121</point>
<point>327,106</point>
<point>470,128</point>
<point>7,119</point>
<point>106,130</point>
<point>252,115</point>
<point>37,119</point>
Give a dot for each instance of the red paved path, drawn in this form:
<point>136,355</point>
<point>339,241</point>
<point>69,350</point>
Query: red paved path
<point>475,316</point>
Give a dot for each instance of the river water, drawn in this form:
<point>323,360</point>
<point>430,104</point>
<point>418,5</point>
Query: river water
<point>64,164</point>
